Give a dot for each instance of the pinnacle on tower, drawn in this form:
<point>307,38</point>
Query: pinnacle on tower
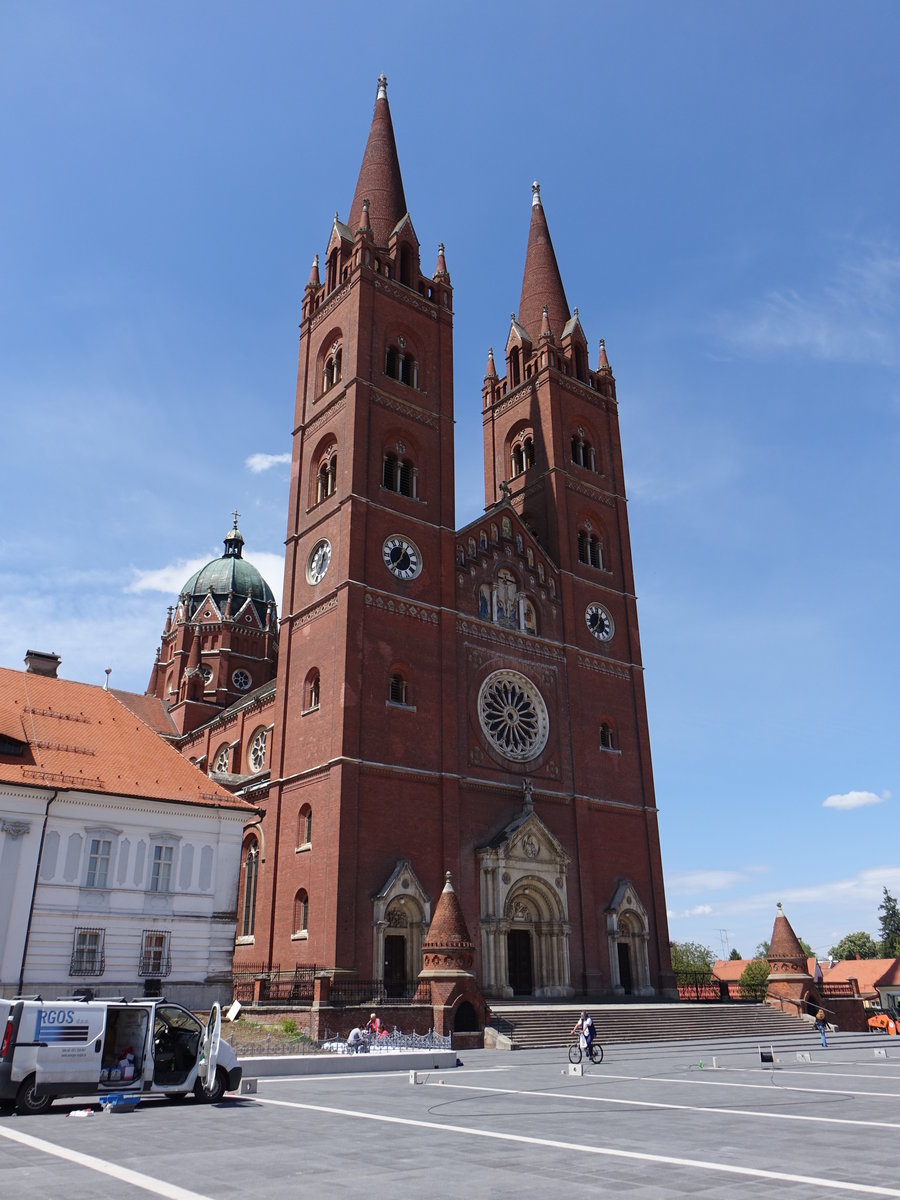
<point>314,281</point>
<point>440,271</point>
<point>490,371</point>
<point>379,176</point>
<point>542,283</point>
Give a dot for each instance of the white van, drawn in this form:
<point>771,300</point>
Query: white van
<point>73,1047</point>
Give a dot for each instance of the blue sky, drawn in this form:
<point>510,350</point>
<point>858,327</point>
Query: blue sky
<point>721,184</point>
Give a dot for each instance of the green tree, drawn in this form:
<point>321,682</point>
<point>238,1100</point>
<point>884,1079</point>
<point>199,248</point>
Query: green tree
<point>692,962</point>
<point>890,926</point>
<point>734,956</point>
<point>754,980</point>
<point>854,944</point>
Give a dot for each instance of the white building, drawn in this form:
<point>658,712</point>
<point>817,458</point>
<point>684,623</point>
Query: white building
<point>119,861</point>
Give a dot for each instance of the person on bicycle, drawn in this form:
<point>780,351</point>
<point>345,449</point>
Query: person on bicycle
<point>584,1026</point>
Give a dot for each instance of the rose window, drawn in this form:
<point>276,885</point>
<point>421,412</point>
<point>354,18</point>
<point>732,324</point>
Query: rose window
<point>513,715</point>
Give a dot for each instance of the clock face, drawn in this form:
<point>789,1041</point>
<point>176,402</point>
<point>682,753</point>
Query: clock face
<point>401,557</point>
<point>599,622</point>
<point>318,561</point>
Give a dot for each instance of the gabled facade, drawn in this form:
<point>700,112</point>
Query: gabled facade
<point>467,701</point>
<point>119,862</point>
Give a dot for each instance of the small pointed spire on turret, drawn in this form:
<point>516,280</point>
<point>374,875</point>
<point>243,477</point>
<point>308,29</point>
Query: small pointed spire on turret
<point>168,624</point>
<point>314,281</point>
<point>603,363</point>
<point>490,371</point>
<point>440,271</point>
<point>546,334</point>
<point>364,224</point>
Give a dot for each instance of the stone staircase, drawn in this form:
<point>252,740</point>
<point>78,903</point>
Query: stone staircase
<point>533,1026</point>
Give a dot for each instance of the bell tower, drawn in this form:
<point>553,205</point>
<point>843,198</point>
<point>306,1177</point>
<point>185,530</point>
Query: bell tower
<point>369,536</point>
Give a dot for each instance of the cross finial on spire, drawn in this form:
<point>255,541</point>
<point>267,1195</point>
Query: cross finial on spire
<point>235,514</point>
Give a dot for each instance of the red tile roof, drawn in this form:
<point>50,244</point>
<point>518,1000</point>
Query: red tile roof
<point>79,737</point>
<point>868,972</point>
<point>150,709</point>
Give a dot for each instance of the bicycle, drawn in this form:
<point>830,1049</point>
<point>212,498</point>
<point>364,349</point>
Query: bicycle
<point>576,1053</point>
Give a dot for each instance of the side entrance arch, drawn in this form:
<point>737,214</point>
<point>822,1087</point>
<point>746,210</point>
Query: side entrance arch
<point>628,933</point>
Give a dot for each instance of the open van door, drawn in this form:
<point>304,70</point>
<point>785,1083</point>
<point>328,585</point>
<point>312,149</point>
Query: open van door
<point>209,1051</point>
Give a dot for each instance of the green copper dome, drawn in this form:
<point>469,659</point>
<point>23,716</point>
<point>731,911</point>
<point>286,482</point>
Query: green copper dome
<point>231,575</point>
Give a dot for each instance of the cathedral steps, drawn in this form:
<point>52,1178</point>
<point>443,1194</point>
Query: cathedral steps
<point>531,1026</point>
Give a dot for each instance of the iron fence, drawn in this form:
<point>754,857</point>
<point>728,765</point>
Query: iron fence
<point>362,992</point>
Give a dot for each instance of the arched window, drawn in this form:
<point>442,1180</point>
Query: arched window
<point>399,364</point>
<point>326,477</point>
<point>332,370</point>
<point>607,737</point>
<point>301,914</point>
<point>397,693</point>
<point>583,452</point>
<point>590,548</point>
<point>515,375</point>
<point>312,690</point>
<point>482,539</point>
<point>221,760</point>
<point>399,475</point>
<point>256,750</point>
<point>304,826</point>
<point>518,461</point>
<point>248,900</point>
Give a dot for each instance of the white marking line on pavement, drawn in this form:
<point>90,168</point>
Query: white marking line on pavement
<point>698,1108</point>
<point>158,1186</point>
<point>767,1086</point>
<point>669,1160</point>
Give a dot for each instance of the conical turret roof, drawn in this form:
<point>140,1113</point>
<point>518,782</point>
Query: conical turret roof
<point>785,951</point>
<point>542,283</point>
<point>379,180</point>
<point>448,930</point>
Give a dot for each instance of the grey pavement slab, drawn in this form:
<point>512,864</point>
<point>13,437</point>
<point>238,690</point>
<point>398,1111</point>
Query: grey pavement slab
<point>649,1122</point>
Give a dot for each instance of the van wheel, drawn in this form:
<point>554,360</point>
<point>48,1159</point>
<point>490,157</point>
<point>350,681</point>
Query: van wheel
<point>26,1100</point>
<point>215,1093</point>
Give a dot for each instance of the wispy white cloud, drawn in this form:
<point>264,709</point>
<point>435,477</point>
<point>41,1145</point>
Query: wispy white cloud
<point>257,463</point>
<point>852,318</point>
<point>169,579</point>
<point>699,910</point>
<point>855,800</point>
<point>702,881</point>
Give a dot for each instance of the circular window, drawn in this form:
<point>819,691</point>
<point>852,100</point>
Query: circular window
<point>513,715</point>
<point>206,672</point>
<point>241,680</point>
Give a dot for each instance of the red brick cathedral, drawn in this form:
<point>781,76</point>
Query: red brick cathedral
<point>447,700</point>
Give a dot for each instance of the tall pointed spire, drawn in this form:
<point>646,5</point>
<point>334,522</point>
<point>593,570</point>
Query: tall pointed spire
<point>541,284</point>
<point>379,176</point>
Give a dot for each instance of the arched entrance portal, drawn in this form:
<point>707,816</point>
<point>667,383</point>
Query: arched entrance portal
<point>628,931</point>
<point>524,912</point>
<point>402,914</point>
